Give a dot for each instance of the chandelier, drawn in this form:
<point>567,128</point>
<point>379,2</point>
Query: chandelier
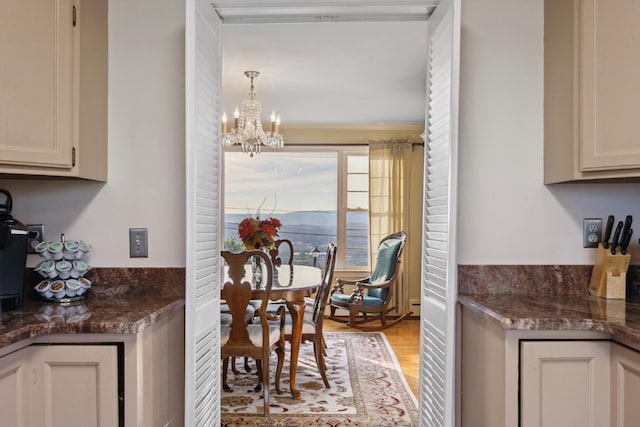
<point>247,128</point>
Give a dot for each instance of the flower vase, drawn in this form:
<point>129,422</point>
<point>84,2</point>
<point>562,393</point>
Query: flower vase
<point>256,269</point>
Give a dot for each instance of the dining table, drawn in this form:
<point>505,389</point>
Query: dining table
<point>291,283</point>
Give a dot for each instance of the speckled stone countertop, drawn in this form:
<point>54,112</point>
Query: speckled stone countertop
<point>91,316</point>
<point>546,298</point>
<point>120,301</point>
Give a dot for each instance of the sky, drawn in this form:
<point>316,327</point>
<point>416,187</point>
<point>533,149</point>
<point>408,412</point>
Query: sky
<point>285,181</point>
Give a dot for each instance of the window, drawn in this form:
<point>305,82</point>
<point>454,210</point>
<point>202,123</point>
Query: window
<point>320,194</point>
<point>357,211</point>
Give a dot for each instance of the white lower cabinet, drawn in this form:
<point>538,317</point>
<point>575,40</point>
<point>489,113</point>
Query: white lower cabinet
<point>60,385</point>
<point>14,399</point>
<point>541,378</point>
<point>106,380</point>
<point>564,383</point>
<point>625,386</point>
<point>545,378</point>
<point>74,385</point>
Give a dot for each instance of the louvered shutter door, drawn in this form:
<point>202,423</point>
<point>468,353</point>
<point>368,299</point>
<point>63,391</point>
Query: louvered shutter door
<point>437,361</point>
<point>203,196</point>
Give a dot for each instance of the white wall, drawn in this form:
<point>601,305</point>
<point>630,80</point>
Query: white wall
<point>506,214</point>
<point>146,180</point>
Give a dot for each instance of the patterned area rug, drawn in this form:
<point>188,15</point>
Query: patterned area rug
<point>367,388</point>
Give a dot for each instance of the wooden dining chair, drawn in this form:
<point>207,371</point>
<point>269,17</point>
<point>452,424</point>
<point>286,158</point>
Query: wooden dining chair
<point>371,297</point>
<point>240,338</point>
<point>277,254</point>
<point>313,320</point>
<point>225,319</point>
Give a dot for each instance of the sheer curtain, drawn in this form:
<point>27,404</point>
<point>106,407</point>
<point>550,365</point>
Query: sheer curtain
<point>389,186</point>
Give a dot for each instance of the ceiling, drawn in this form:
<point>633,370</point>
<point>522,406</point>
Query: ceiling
<point>327,65</point>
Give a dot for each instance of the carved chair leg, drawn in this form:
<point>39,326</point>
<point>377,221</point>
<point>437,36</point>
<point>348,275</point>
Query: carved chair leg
<point>264,379</point>
<point>352,317</point>
<point>258,387</point>
<point>247,368</point>
<point>280,353</point>
<point>234,369</point>
<point>322,366</point>
<point>225,370</point>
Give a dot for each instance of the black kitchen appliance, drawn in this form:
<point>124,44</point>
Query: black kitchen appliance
<point>13,255</point>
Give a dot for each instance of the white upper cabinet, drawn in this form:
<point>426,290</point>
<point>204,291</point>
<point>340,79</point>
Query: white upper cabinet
<point>53,88</point>
<point>591,89</point>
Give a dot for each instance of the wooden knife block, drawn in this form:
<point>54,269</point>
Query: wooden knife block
<point>609,275</point>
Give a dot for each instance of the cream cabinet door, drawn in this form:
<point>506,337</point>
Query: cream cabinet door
<point>625,386</point>
<point>37,83</point>
<point>74,385</point>
<point>564,383</point>
<point>610,88</point>
<point>14,387</point>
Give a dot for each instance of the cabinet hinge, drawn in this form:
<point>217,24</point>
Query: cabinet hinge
<point>74,16</point>
<point>73,156</point>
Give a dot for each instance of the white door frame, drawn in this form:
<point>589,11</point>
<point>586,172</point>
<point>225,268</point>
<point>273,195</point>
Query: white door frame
<point>267,8</point>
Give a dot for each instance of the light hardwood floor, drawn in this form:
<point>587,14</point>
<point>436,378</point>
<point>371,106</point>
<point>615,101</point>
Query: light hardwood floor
<point>405,341</point>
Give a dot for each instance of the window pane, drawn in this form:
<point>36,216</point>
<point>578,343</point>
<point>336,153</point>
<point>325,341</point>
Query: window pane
<point>358,164</point>
<point>357,250</point>
<point>358,182</point>
<point>298,188</point>
<point>357,200</point>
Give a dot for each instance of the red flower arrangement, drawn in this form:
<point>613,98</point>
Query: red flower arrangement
<point>258,234</point>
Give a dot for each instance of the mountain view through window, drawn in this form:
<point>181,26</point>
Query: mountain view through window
<point>319,197</point>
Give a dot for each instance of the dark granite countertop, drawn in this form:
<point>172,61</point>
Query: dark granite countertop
<point>620,318</point>
<point>94,315</point>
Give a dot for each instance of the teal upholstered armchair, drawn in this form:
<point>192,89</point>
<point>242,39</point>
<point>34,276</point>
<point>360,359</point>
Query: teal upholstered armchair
<point>371,296</point>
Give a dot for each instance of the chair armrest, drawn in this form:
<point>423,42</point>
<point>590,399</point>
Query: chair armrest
<point>366,285</point>
<point>352,282</point>
<point>358,292</point>
<point>339,286</point>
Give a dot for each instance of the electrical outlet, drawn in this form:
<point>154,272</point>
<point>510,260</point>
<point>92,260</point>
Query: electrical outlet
<point>591,232</point>
<point>138,243</point>
<point>35,236</point>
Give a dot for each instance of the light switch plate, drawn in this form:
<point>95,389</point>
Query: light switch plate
<point>138,243</point>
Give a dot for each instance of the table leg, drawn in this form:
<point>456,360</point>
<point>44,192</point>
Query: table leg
<point>296,308</point>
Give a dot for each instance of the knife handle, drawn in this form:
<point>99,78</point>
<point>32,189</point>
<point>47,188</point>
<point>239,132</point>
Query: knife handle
<point>627,224</point>
<point>607,232</point>
<point>616,237</point>
<point>625,242</point>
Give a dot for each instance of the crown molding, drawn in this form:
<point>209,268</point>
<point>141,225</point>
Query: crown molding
<point>349,133</point>
<point>283,11</point>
